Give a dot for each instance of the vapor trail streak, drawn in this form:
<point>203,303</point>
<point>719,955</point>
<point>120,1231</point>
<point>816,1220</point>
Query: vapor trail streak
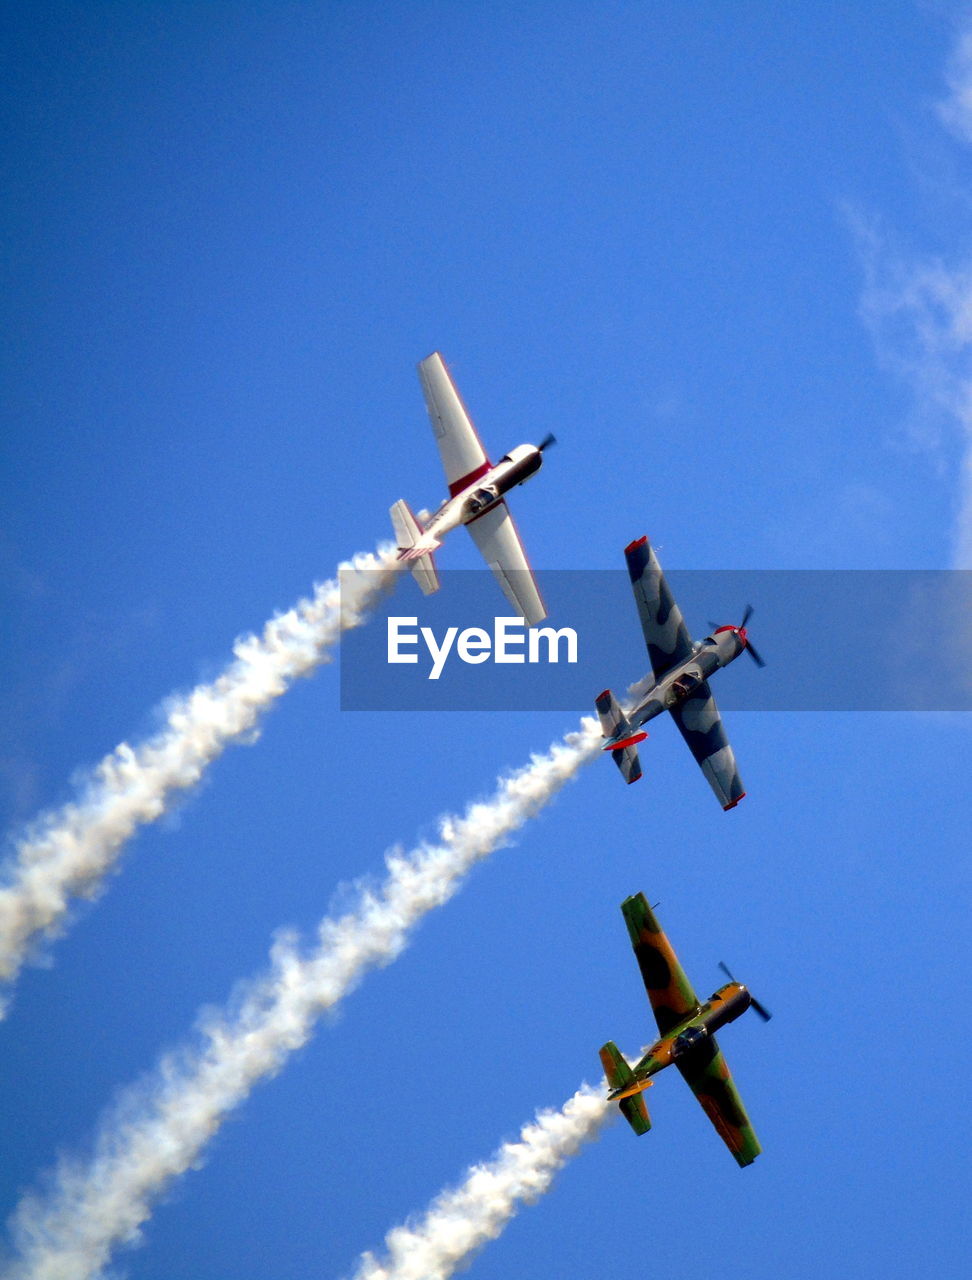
<point>460,1221</point>
<point>67,852</point>
<point>158,1130</point>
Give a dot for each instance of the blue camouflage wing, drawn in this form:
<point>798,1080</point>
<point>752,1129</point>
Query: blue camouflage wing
<point>665,632</point>
<point>700,725</point>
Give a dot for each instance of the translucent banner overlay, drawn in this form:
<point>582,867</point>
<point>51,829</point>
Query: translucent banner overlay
<point>838,640</point>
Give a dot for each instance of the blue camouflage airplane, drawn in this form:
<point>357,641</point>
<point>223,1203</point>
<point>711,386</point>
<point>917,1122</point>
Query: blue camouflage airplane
<point>679,683</point>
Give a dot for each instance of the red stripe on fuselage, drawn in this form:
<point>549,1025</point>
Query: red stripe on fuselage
<point>457,486</point>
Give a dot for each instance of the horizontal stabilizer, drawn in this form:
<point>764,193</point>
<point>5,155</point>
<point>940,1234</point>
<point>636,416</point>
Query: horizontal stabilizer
<point>615,1065</point>
<point>636,1113</point>
<point>625,1087</point>
<point>425,574</point>
<point>408,531</point>
<point>415,547</point>
<point>621,737</point>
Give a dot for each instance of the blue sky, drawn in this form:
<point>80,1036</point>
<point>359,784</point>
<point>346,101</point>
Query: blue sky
<point>723,255</point>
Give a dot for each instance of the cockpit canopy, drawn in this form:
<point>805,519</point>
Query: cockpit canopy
<point>683,688</point>
<point>688,1039</point>
<point>480,499</point>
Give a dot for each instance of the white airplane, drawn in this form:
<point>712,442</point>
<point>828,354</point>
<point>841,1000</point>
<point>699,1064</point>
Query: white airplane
<point>476,489</point>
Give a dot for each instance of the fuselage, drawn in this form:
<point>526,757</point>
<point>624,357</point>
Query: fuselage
<point>479,493</point>
<point>722,1007</point>
<point>679,684</point>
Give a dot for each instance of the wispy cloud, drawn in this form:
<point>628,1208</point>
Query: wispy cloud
<point>921,315</point>
<point>159,1129</point>
<point>956,110</point>
<point>461,1220</point>
<point>67,852</point>
<point>919,310</point>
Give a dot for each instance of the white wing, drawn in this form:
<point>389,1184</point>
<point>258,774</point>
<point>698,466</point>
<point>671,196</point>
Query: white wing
<point>494,533</point>
<point>463,455</point>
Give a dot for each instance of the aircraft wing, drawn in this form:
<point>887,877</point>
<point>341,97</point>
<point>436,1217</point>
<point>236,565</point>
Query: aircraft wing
<point>669,990</point>
<point>700,725</point>
<point>666,634</point>
<point>463,455</point>
<point>494,533</point>
<point>706,1074</point>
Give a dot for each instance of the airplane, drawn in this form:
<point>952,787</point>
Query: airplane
<point>679,683</point>
<point>687,1038</point>
<point>476,489</point>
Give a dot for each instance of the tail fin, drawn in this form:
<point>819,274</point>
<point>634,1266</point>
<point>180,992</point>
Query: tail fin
<point>621,1077</point>
<point>617,729</point>
<point>409,536</point>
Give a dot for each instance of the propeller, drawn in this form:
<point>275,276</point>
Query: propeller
<point>741,632</point>
<point>750,649</point>
<point>547,441</point>
<point>760,1009</point>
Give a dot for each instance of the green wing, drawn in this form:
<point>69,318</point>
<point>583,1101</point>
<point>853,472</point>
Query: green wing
<point>706,1074</point>
<point>669,990</point>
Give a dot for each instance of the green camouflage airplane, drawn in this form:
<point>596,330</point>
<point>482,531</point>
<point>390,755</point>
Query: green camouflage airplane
<point>687,1038</point>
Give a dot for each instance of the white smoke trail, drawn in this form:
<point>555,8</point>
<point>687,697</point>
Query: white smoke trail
<point>460,1221</point>
<point>68,851</point>
<point>159,1130</point>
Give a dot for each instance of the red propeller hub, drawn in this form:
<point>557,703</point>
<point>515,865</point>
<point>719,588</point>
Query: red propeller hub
<point>739,631</point>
